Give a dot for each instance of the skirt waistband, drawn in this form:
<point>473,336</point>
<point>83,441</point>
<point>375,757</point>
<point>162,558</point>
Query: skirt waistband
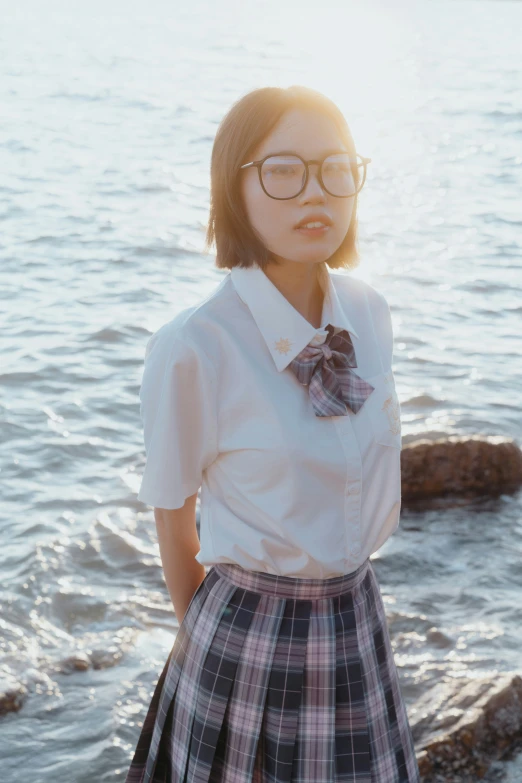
<point>306,588</point>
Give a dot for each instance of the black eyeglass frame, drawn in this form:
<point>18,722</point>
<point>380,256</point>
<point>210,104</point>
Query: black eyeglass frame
<point>258,164</point>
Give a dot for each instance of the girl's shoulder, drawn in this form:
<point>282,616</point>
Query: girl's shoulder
<point>190,327</point>
<point>355,289</point>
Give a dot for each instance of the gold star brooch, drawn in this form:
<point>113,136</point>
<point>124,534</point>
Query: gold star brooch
<point>283,345</point>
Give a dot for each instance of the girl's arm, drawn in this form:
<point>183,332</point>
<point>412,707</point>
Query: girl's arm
<point>179,544</point>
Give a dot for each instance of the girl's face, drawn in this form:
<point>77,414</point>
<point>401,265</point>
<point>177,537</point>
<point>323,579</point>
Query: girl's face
<point>312,136</point>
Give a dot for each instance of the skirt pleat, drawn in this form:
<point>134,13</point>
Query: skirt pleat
<point>275,679</point>
<point>352,731</point>
<point>235,753</point>
<point>284,693</point>
<point>314,757</point>
<point>215,681</point>
<point>392,747</point>
<point>201,631</point>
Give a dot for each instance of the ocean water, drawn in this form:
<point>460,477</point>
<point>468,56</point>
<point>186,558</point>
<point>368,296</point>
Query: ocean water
<point>108,115</point>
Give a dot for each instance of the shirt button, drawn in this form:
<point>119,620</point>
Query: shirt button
<point>355,489</point>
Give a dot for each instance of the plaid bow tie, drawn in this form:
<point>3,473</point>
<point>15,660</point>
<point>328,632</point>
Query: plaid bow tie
<point>325,368</point>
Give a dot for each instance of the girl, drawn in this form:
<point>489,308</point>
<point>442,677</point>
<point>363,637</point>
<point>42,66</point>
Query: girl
<point>276,395</point>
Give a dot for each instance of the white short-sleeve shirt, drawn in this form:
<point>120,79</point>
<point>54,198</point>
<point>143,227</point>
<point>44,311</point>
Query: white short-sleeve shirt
<point>282,490</point>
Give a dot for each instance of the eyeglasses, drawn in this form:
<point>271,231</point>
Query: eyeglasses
<point>285,175</point>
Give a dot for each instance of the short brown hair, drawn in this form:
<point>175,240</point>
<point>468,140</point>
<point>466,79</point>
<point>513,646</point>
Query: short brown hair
<point>240,131</point>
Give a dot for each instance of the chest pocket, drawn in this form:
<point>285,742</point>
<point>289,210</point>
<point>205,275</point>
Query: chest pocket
<point>383,410</point>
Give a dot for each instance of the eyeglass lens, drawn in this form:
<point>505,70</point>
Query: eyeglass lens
<point>283,175</point>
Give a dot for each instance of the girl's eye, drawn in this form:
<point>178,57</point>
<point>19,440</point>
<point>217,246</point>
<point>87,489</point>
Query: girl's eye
<point>282,170</point>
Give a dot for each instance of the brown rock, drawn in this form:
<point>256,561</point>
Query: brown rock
<point>12,695</point>
<point>460,467</point>
<point>466,725</point>
<point>78,662</point>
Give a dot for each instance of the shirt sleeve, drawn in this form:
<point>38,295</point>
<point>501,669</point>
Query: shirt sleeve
<point>178,414</point>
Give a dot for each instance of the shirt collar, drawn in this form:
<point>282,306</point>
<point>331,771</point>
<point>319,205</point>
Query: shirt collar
<point>285,331</point>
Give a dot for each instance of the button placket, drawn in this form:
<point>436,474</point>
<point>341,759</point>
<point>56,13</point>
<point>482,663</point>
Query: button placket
<point>356,537</point>
<point>352,490</point>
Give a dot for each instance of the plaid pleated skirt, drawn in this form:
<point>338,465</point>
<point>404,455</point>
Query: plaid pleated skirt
<point>278,679</point>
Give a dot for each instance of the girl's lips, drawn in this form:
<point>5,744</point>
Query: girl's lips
<point>313,232</point>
